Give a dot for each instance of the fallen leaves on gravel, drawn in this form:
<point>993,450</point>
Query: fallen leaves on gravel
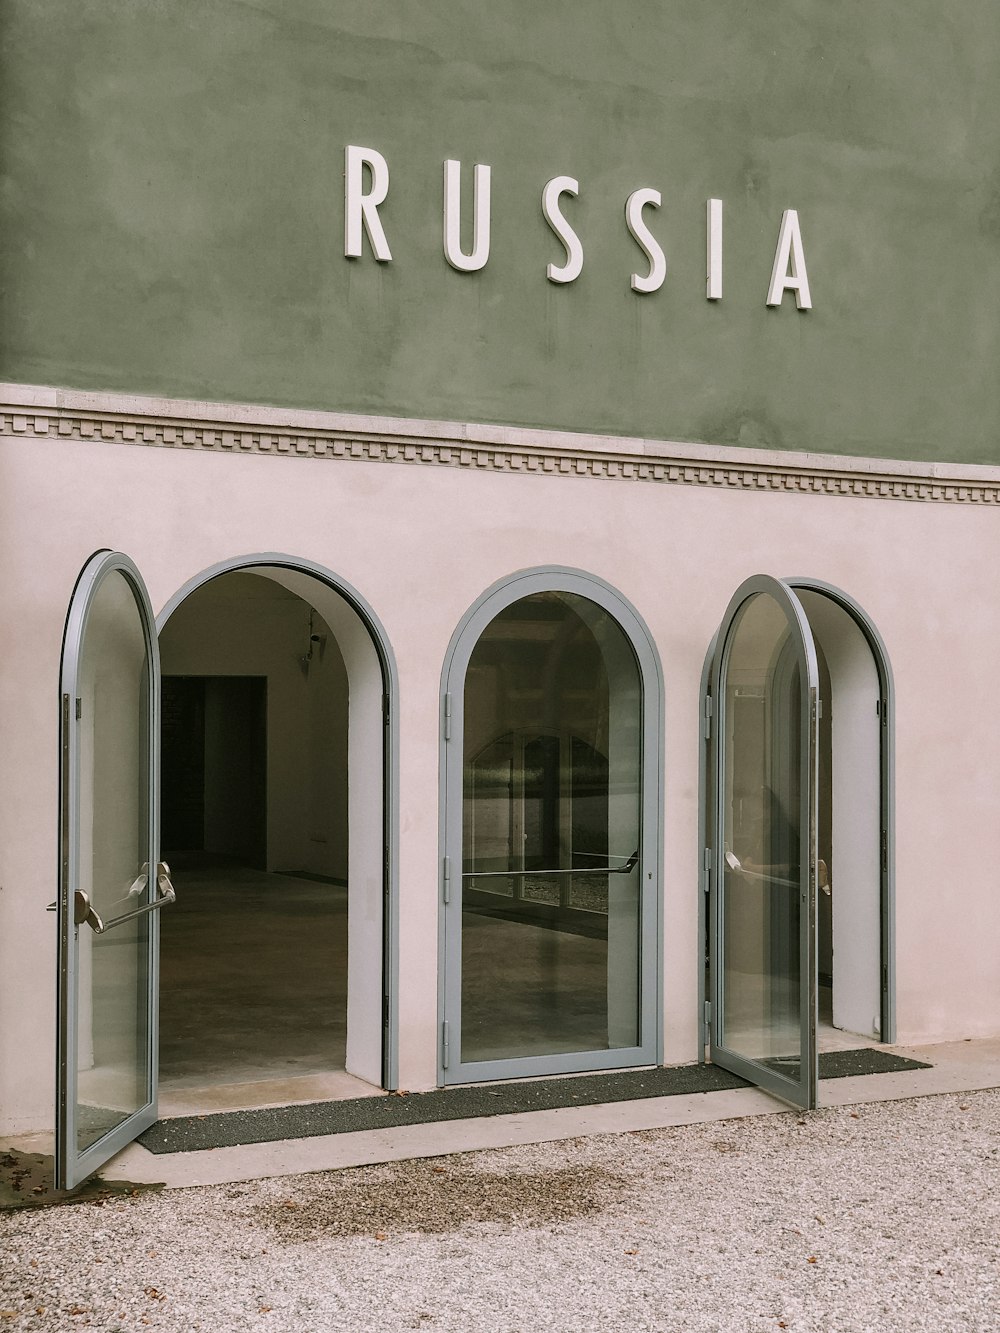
<point>418,1197</point>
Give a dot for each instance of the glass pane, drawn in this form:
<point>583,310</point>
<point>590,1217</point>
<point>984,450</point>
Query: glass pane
<point>551,824</point>
<point>113,775</point>
<point>761,815</point>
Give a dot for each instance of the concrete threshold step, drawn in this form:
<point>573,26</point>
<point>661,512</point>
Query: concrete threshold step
<point>195,1133</point>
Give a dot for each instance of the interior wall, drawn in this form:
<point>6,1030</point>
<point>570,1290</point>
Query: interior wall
<point>234,744</point>
<point>855,873</point>
<point>246,624</point>
<point>366,721</point>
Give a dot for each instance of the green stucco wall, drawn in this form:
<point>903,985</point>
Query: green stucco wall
<point>172,211</point>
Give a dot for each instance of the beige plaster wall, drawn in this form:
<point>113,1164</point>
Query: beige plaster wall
<point>421,543</point>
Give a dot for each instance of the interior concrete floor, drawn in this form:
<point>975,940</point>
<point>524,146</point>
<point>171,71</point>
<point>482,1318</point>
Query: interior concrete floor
<point>253,985</point>
<point>253,990</point>
<point>530,989</point>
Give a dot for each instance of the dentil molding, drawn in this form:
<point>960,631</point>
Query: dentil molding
<point>241,429</point>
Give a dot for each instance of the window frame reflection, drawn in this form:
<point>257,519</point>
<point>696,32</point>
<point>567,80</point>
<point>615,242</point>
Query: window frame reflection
<point>793,1078</point>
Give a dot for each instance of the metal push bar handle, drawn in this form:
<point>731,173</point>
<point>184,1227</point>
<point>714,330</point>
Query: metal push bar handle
<point>84,911</point>
<point>761,877</point>
<point>626,869</point>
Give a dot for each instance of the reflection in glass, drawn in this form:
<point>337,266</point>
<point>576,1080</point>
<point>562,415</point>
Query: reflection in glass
<point>762,838</point>
<point>114,838</point>
<point>551,825</point>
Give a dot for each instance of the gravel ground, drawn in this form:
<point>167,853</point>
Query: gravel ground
<point>879,1217</point>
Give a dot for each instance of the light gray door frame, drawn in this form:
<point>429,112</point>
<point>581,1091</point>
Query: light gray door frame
<point>800,1091</point>
<point>72,1166</point>
<point>649,1049</point>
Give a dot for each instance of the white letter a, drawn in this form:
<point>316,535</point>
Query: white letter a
<point>789,272</point>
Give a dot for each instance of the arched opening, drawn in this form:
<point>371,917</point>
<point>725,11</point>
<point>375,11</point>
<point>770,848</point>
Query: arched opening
<point>551,790</point>
<point>853,930</point>
<point>274,967</point>
<point>854,908</point>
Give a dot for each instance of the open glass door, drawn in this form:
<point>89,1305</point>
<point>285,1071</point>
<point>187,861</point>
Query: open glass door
<point>764,815</point>
<point>110,882</point>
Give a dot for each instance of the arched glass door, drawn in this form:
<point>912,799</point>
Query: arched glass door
<point>549,874</point>
<point>110,882</point>
<point>764,811</point>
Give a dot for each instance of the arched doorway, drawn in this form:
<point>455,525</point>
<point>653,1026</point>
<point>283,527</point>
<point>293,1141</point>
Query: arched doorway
<point>278,766</point>
<point>854,914</point>
<point>551,800</point>
<point>113,889</point>
<point>798,833</point>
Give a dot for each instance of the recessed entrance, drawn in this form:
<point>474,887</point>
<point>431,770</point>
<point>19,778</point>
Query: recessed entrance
<point>850,820</point>
<point>261,998</point>
<point>799,938</point>
<point>255,943</point>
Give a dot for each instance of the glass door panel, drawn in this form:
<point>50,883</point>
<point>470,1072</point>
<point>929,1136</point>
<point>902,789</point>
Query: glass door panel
<point>551,792</point>
<point>763,903</point>
<point>111,882</point>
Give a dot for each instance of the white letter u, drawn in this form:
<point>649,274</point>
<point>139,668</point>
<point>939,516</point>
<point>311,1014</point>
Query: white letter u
<point>453,252</point>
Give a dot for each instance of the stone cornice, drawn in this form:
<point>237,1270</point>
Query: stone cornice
<point>72,415</point>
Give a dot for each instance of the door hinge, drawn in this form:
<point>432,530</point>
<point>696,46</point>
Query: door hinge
<point>708,1015</point>
<point>707,718</point>
<point>79,709</point>
<point>447,717</point>
<point>885,848</point>
<point>446,879</point>
<point>445,1053</point>
<point>385,1011</point>
<point>385,710</point>
<point>706,866</point>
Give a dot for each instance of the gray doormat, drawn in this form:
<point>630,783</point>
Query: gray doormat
<point>229,1128</point>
